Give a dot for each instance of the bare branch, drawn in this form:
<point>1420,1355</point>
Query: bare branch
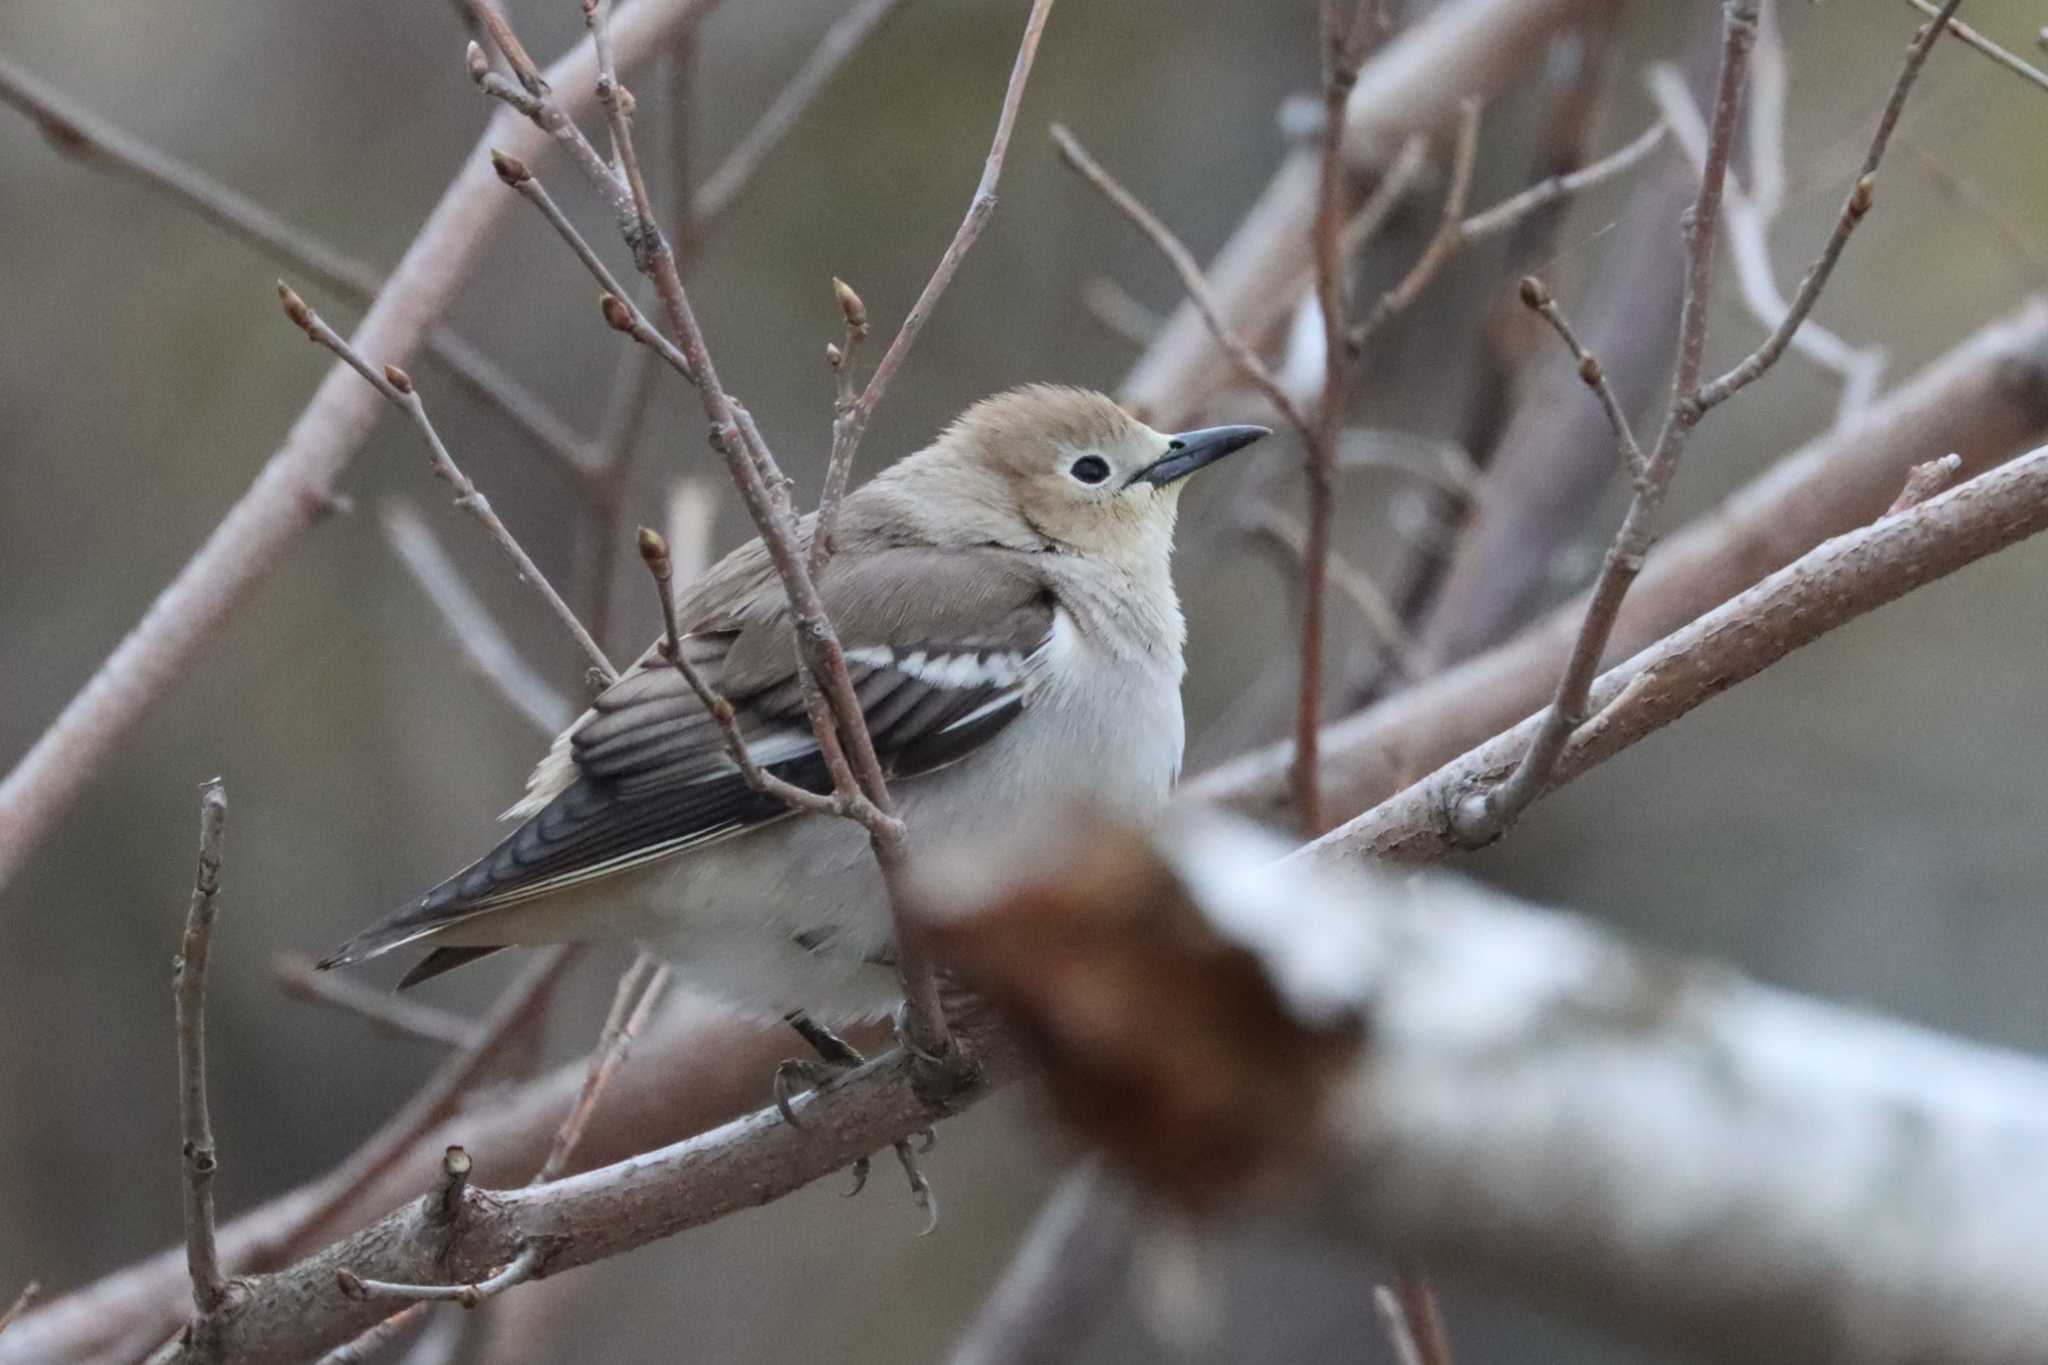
<point>655,554</point>
<point>638,993</point>
<point>1854,207</point>
<point>1513,210</point>
<point>209,1286</point>
<point>1444,245</point>
<point>389,1014</point>
<point>1482,816</point>
<point>517,1271</point>
<point>1073,1261</point>
<point>1266,520</point>
<point>695,1068</point>
<point>1985,399</point>
<point>492,20</point>
<point>86,137</point>
<point>1970,37</point>
<point>1926,481</point>
<point>293,490</point>
<point>1748,228</point>
<point>573,1221</point>
<point>849,429</point>
<point>1457,1061</point>
<point>22,1303</point>
<point>1411,86</point>
<point>826,60</point>
<point>1538,298</point>
<point>521,1006</point>
<point>1833,584</point>
<point>1203,299</point>
<point>483,645</point>
<point>366,1347</point>
<point>397,386</point>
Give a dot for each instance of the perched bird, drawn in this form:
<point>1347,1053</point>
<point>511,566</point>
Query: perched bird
<point>1008,617</point>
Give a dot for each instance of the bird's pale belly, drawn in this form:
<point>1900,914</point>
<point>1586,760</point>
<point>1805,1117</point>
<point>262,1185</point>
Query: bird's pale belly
<point>796,916</point>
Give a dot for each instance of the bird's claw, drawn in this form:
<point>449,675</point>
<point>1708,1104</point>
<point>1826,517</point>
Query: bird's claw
<point>794,1077</point>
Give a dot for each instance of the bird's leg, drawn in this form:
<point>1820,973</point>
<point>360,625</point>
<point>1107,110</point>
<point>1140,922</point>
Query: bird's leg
<point>835,1058</point>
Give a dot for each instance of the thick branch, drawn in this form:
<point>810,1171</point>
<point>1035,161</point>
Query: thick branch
<point>1985,399</point>
<point>1662,1147</point>
<point>583,1218</point>
<point>1819,592</point>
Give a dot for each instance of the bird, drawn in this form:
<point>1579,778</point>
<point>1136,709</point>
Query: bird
<point>1006,608</point>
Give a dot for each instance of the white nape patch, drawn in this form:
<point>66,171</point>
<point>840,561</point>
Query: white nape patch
<point>1321,949</point>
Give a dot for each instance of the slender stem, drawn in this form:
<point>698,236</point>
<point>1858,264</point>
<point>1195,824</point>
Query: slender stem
<point>370,1344</point>
<point>519,1270</point>
<point>521,1005</point>
<point>1854,207</point>
<point>847,434</point>
<point>84,136</point>
<point>1247,361</point>
<point>1482,816</point>
<point>1537,297</point>
<point>298,978</point>
<point>476,634</point>
<point>22,1303</point>
<point>1970,37</point>
<point>1445,244</point>
<point>397,386</point>
<point>827,59</point>
<point>209,1286</point>
<point>639,991</point>
<point>1516,207</point>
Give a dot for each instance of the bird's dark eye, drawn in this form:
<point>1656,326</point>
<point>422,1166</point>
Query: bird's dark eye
<point>1090,469</point>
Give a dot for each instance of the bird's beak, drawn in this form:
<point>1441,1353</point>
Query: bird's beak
<point>1191,450</point>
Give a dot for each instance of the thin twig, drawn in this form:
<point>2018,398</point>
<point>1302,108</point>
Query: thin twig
<point>1748,235</point>
<point>1270,522</point>
<point>827,59</point>
<point>1541,195</point>
<point>492,20</point>
<point>22,1303</point>
<point>1538,298</point>
<point>1970,37</point>
<point>1481,816</point>
<point>90,139</point>
<point>1444,245</point>
<point>1854,207</point>
<point>1120,314</point>
<point>483,645</point>
<point>847,432</point>
<point>397,386</point>
<point>296,977</point>
<point>519,1270</point>
<point>1395,1321</point>
<point>1247,361</point>
<point>1927,481</point>
<point>654,552</point>
<point>365,1347</point>
<point>209,1286</point>
<point>517,1009</point>
<point>638,992</point>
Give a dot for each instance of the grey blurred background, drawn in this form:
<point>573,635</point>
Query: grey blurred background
<point>1863,822</point>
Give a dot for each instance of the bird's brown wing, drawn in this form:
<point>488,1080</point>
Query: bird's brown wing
<point>938,645</point>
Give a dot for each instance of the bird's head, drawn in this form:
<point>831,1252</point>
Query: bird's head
<point>1046,466</point>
